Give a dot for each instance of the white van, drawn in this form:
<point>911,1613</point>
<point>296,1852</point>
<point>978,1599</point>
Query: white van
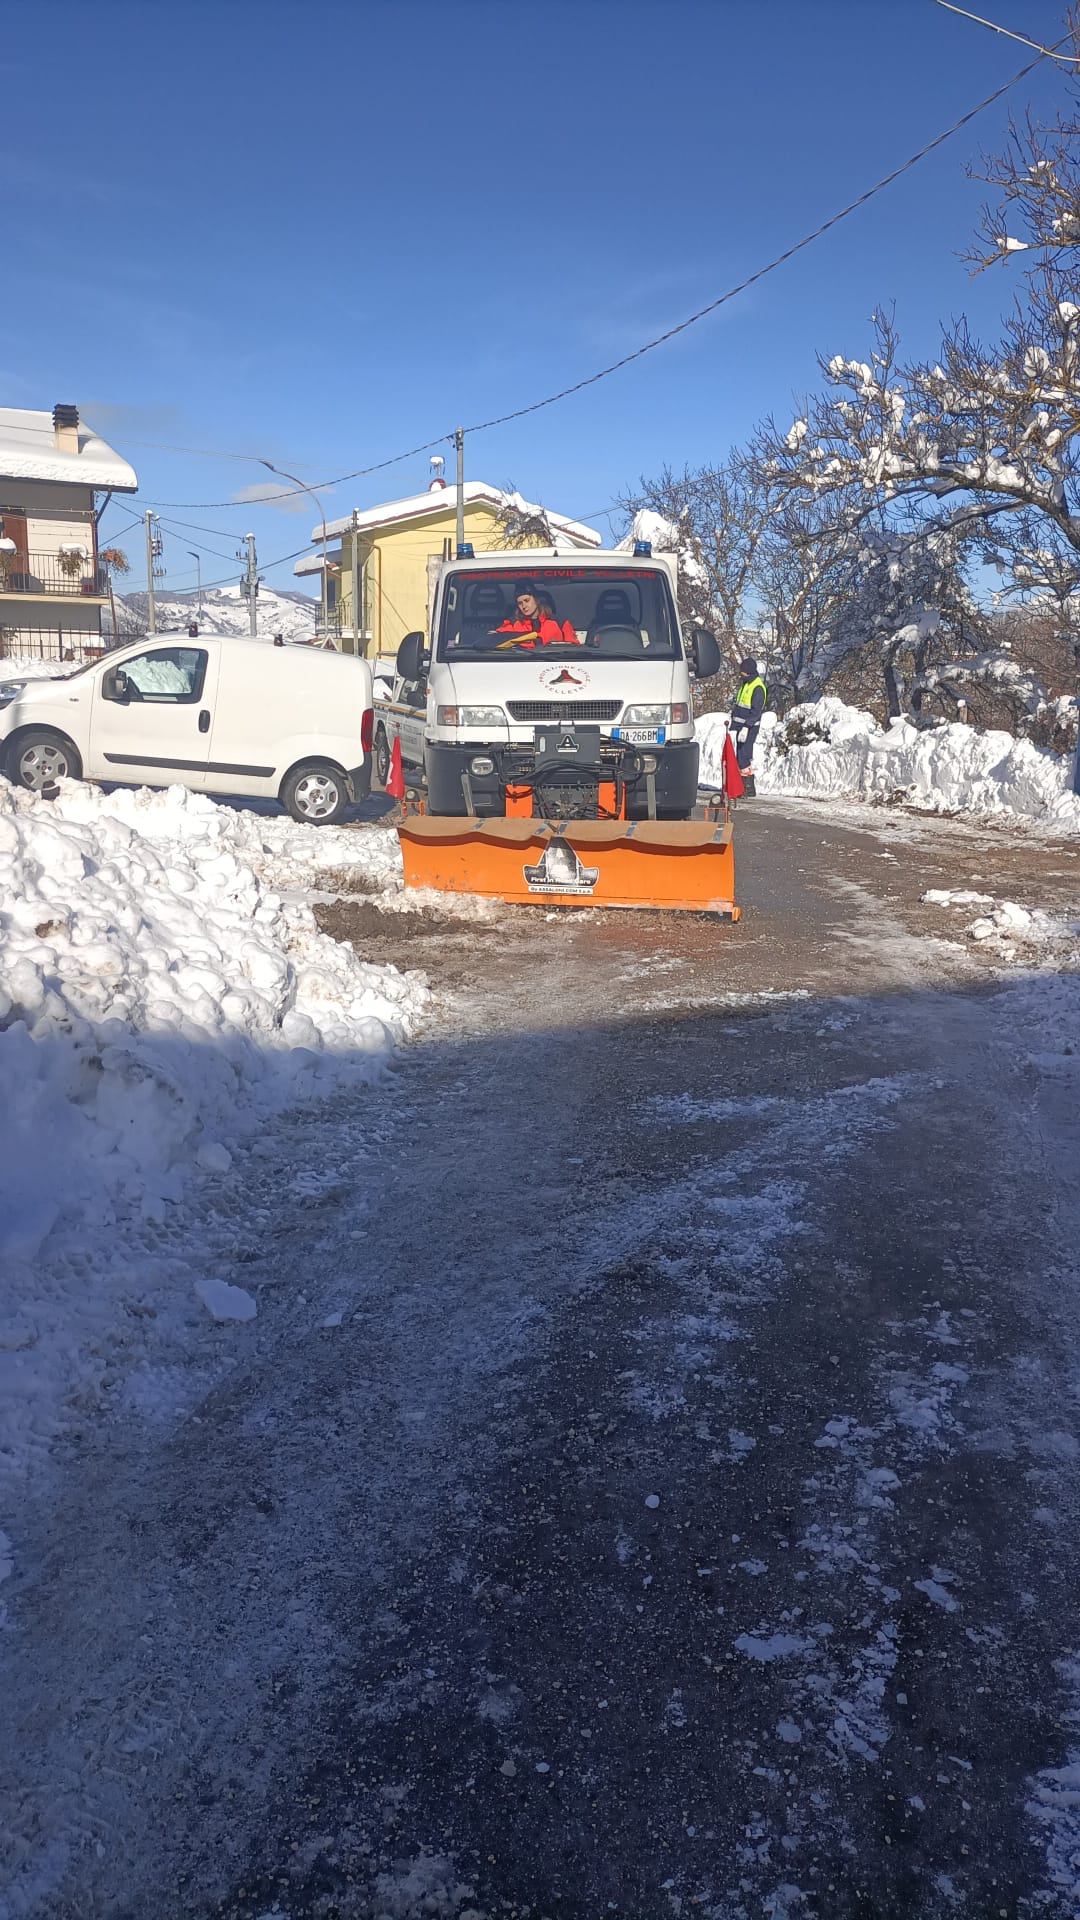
<point>222,716</point>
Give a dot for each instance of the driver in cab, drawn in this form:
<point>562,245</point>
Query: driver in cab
<point>534,623</point>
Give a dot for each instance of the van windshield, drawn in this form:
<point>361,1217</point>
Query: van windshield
<point>508,613</point>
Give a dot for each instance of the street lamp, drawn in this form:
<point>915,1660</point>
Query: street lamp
<point>312,496</point>
<point>198,582</point>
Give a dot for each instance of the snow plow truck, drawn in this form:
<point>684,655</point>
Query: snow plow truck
<point>552,722</point>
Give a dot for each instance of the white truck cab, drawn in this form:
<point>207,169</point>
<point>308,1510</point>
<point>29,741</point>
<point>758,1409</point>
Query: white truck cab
<point>537,655</point>
<point>222,716</point>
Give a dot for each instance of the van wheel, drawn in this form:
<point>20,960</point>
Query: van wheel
<point>40,758</point>
<point>382,757</point>
<point>315,793</point>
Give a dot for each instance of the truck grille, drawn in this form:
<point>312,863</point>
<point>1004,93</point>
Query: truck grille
<point>530,710</point>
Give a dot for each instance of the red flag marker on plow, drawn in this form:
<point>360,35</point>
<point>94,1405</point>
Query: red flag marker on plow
<point>733,781</point>
<point>395,780</point>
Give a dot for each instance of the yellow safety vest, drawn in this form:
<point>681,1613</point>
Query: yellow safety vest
<point>746,691</point>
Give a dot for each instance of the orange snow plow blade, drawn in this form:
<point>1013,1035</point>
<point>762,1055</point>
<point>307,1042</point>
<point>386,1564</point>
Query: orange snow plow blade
<point>678,866</point>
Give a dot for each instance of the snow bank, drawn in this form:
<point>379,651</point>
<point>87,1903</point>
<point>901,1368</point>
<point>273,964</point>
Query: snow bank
<point>156,998</point>
<point>280,851</point>
<point>947,769</point>
<point>30,666</point>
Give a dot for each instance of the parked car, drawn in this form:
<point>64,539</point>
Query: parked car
<point>222,716</point>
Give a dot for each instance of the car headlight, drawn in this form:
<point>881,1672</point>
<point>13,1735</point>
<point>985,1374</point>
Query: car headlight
<point>676,716</point>
<point>10,691</point>
<point>471,717</point>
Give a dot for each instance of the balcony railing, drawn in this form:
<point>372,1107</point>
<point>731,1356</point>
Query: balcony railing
<point>64,645</point>
<point>50,575</point>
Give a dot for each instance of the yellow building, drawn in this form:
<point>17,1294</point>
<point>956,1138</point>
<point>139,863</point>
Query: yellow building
<point>400,545</point>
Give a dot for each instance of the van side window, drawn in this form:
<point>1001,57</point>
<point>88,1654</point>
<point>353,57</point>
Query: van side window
<point>168,675</point>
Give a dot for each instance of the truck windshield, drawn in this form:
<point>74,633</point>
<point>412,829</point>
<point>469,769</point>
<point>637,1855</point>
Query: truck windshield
<point>508,613</point>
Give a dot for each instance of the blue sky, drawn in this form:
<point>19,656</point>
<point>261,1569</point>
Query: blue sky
<point>325,233</point>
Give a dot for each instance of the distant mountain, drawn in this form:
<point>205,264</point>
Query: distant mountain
<point>224,612</point>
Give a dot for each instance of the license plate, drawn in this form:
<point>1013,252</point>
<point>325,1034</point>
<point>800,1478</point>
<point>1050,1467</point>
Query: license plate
<point>640,736</point>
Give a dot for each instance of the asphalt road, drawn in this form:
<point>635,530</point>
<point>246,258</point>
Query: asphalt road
<point>682,1517</point>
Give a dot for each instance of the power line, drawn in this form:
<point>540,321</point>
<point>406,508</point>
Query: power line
<point>119,532</point>
<point>190,526</point>
<point>173,525</point>
<point>671,333</point>
<point>265,566</point>
<point>1047,52</point>
<point>210,453</point>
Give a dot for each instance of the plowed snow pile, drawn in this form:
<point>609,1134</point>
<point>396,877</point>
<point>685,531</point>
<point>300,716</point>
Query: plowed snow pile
<point>946,769</point>
<point>157,998</point>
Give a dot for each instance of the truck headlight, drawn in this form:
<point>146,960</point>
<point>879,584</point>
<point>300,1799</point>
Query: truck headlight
<point>646,717</point>
<point>10,691</point>
<point>470,717</point>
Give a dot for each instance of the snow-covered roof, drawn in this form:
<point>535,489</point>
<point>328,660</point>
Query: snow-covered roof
<point>441,500</point>
<point>313,562</point>
<point>28,451</point>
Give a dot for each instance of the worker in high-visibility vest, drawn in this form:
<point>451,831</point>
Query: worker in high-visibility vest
<point>746,712</point>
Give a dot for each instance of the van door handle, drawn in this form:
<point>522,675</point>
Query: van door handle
<point>204,720</point>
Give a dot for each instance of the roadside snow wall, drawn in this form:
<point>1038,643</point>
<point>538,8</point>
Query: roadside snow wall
<point>825,747</point>
<point>157,998</point>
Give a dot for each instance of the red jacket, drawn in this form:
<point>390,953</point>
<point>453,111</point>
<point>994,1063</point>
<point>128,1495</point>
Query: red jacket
<point>549,630</point>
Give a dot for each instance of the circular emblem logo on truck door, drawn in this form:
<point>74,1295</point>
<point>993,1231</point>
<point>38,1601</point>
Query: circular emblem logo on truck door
<point>563,680</point>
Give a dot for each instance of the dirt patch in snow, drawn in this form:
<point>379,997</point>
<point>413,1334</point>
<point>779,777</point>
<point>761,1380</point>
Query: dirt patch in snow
<point>452,953</point>
<point>357,921</point>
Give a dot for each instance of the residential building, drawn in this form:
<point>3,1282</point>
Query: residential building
<point>399,547</point>
<point>54,470</point>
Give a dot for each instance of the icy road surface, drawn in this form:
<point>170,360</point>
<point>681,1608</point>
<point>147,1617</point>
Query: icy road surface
<point>650,1483</point>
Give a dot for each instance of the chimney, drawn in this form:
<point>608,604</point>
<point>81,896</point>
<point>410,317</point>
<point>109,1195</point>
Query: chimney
<point>66,429</point>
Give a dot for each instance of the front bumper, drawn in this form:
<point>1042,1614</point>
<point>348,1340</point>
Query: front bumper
<point>675,778</point>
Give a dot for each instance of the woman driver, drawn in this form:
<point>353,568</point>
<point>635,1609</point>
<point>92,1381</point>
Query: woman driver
<point>535,619</point>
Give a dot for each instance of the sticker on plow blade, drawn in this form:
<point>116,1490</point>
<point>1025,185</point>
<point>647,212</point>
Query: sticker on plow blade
<point>560,871</point>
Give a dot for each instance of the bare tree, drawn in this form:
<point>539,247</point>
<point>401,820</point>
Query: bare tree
<point>1037,185</point>
<point>996,429</point>
<point>910,608</point>
<point>803,569</point>
<point>717,516</point>
<point>1000,427</point>
<point>521,524</point>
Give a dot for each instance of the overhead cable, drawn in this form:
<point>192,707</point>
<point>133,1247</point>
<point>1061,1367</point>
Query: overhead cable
<point>1048,53</point>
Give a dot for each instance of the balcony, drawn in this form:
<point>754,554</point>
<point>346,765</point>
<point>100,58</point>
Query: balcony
<point>51,576</point>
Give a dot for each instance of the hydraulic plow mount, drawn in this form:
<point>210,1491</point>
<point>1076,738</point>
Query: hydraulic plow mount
<point>677,865</point>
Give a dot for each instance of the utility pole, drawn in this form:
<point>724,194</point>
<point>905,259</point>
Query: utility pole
<point>358,644</point>
<point>459,444</point>
<point>252,584</point>
<point>153,549</point>
<point>198,584</point>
